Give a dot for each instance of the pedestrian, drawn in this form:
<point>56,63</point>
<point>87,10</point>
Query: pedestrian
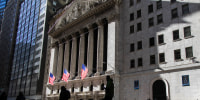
<point>3,96</point>
<point>20,96</point>
<point>109,92</point>
<point>64,94</point>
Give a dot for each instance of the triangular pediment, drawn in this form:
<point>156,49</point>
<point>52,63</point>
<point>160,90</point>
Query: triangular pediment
<point>78,10</point>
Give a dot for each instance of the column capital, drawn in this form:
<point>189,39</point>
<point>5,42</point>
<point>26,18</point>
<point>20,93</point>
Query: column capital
<point>55,44</point>
<point>112,17</point>
<point>90,26</point>
<point>100,22</point>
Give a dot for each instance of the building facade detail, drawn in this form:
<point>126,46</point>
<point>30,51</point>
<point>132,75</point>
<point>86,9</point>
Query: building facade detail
<point>88,39</point>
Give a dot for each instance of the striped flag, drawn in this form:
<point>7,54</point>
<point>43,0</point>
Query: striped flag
<point>84,71</point>
<point>65,75</point>
<point>51,78</point>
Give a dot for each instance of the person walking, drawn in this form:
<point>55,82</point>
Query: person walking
<point>64,94</point>
<point>20,96</point>
<point>109,92</point>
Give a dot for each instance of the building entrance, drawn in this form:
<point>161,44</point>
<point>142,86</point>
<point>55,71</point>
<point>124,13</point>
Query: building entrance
<point>159,90</point>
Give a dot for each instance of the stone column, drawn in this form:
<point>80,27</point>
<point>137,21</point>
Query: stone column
<point>81,52</point>
<point>111,47</point>
<point>100,46</point>
<point>60,62</point>
<point>55,59</point>
<point>73,57</point>
<point>66,56</point>
<point>90,49</point>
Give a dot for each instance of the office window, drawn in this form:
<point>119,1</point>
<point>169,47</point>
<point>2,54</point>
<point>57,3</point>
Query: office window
<point>140,62</point>
<point>174,13</point>
<point>131,2</point>
<point>160,39</point>
<point>132,47</point>
<point>159,4</point>
<point>185,9</point>
<point>139,14</point>
<point>159,19</point>
<point>173,1</point>
<point>187,31</point>
<point>139,45</point>
<point>151,22</point>
<point>151,41</point>
<point>176,35</point>
<point>150,8</point>
<point>132,63</point>
<point>185,80</point>
<point>138,1</point>
<point>152,59</point>
<point>132,29</point>
<point>136,84</point>
<point>189,52</point>
<point>177,54</point>
<point>162,57</point>
<point>139,26</point>
<point>131,16</point>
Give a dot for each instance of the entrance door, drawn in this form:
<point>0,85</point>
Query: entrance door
<point>159,90</point>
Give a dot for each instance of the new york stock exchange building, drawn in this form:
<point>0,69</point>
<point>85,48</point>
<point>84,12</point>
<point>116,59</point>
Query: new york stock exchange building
<point>83,32</point>
<point>150,48</point>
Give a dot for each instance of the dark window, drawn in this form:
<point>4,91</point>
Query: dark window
<point>177,54</point>
<point>132,47</point>
<point>81,88</point>
<point>140,62</point>
<point>139,45</point>
<point>176,35</point>
<point>131,2</point>
<point>185,80</point>
<point>161,57</point>
<point>174,13</point>
<point>150,8</point>
<point>189,52</point>
<point>152,59</point>
<point>173,1</point>
<point>136,84</point>
<point>132,63</point>
<point>159,19</point>
<point>138,1</point>
<point>151,22</point>
<point>185,9</point>
<point>91,87</point>
<point>138,13</point>
<point>159,4</point>
<point>151,41</point>
<point>160,39</point>
<point>132,29</point>
<point>131,16</point>
<point>139,26</point>
<point>187,31</point>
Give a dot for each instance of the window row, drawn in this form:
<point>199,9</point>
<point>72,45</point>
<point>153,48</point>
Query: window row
<point>177,57</point>
<point>176,37</point>
<point>174,11</point>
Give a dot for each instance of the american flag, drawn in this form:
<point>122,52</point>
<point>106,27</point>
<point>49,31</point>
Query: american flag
<point>84,71</point>
<point>65,75</point>
<point>51,78</point>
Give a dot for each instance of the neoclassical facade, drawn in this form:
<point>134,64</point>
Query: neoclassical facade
<point>84,32</point>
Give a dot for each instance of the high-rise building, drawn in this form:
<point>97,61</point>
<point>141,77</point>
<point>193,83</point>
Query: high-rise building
<point>30,50</point>
<point>160,41</point>
<point>3,4</point>
<point>7,39</point>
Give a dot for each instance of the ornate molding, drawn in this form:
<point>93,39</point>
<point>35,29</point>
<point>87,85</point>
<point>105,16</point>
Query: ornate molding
<point>78,12</point>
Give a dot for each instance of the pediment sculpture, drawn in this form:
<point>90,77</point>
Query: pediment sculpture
<point>75,9</point>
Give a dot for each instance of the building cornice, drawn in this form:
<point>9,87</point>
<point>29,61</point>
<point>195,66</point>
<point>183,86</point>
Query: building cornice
<point>96,10</point>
